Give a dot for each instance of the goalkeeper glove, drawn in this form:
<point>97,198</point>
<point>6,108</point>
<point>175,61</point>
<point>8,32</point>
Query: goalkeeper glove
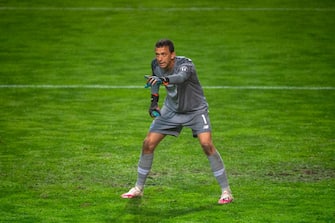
<point>154,110</point>
<point>152,80</point>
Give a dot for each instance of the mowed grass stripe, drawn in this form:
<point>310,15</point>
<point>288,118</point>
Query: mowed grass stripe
<point>162,9</point>
<point>138,87</point>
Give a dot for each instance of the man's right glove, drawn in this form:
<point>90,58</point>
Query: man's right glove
<point>154,110</point>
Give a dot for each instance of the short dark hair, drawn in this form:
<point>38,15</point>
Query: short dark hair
<point>165,42</point>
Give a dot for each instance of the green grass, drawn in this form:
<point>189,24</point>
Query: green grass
<point>66,154</point>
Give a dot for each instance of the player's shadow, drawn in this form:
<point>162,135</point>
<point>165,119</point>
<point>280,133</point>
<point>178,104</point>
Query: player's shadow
<point>136,210</point>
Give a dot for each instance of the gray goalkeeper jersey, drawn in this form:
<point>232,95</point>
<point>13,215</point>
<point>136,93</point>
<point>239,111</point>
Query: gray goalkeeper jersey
<point>184,92</point>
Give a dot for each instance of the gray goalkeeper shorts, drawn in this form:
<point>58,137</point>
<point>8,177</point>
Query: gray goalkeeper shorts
<point>171,123</point>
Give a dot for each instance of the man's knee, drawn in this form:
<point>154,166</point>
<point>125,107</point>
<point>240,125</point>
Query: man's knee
<point>208,147</point>
<point>150,142</point>
<point>148,146</point>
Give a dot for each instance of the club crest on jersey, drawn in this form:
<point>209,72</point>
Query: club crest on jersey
<point>184,68</point>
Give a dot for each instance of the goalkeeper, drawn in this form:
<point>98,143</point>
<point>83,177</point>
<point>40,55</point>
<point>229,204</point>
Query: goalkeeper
<point>184,106</point>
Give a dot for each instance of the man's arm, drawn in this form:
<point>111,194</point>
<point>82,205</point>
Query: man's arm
<point>183,74</point>
<point>154,110</point>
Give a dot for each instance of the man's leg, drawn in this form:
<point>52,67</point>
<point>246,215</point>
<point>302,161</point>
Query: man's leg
<point>144,164</point>
<point>217,166</point>
<point>143,169</point>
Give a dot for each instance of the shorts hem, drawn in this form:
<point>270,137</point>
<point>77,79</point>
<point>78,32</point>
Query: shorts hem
<point>165,133</point>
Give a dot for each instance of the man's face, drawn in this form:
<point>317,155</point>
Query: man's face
<point>165,58</point>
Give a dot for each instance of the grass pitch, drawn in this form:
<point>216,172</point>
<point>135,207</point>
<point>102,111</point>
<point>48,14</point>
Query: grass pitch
<point>74,111</point>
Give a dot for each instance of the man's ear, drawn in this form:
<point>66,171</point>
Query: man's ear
<point>173,55</point>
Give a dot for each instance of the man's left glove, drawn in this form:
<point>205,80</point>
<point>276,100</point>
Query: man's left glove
<point>154,110</point>
<point>152,80</point>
